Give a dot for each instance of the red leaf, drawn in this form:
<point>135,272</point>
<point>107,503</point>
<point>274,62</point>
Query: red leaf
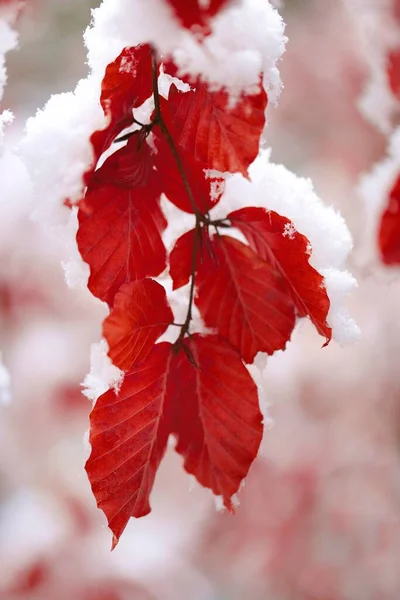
<point>389,231</point>
<point>131,166</point>
<point>196,12</point>
<point>217,419</point>
<point>393,72</point>
<point>127,83</point>
<point>274,239</point>
<point>180,259</point>
<point>128,435</point>
<point>119,237</point>
<point>139,316</point>
<point>206,192</point>
<point>244,298</point>
<point>219,138</point>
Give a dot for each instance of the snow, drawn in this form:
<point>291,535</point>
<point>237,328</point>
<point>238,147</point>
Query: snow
<point>103,374</point>
<point>75,269</point>
<point>5,395</point>
<point>57,151</point>
<point>247,37</point>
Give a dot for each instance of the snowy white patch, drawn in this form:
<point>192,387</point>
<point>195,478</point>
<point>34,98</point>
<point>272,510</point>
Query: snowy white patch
<point>75,269</point>
<point>165,81</point>
<point>57,151</point>
<point>87,448</point>
<point>257,371</point>
<point>5,394</point>
<point>247,38</point>
<point>6,118</point>
<point>216,188</point>
<point>219,504</point>
<point>103,374</point>
<point>289,231</point>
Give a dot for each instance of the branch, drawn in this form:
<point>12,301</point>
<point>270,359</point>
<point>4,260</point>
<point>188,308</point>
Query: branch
<point>159,119</point>
<point>200,218</point>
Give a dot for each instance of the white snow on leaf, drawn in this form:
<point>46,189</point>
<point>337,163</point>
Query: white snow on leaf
<point>103,374</point>
<point>247,38</point>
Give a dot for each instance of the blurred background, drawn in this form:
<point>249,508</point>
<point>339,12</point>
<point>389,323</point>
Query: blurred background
<point>319,515</point>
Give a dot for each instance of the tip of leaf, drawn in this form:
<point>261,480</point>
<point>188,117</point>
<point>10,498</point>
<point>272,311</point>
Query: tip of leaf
<point>229,506</point>
<point>114,542</point>
<point>328,338</point>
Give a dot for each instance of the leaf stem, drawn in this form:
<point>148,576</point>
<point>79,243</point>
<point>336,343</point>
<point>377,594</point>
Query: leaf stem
<point>189,316</point>
<point>159,119</point>
<point>200,218</point>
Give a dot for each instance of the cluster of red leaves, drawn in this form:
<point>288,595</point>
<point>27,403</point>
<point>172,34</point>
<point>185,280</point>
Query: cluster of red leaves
<point>197,388</point>
<point>389,228</point>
